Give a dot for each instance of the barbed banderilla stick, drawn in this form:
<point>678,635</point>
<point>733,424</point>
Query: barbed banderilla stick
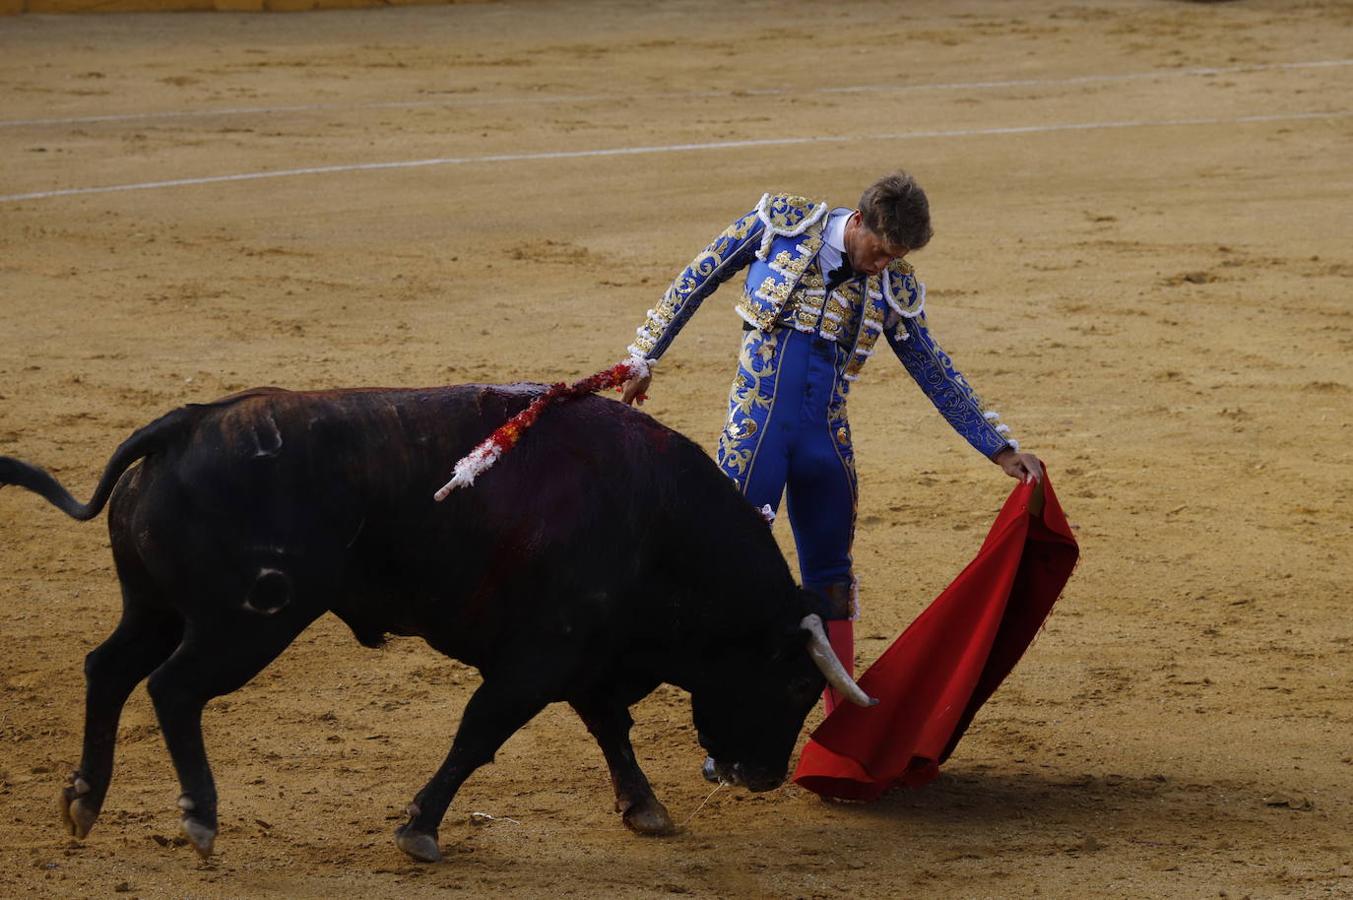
<point>505,437</point>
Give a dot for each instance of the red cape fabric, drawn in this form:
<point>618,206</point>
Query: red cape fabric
<point>933,679</point>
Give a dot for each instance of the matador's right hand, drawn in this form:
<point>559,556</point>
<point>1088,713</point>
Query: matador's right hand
<point>635,391</point>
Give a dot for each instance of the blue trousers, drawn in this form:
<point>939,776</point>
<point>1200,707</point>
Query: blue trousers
<point>787,436</point>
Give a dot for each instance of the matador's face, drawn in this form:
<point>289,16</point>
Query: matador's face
<point>869,253</point>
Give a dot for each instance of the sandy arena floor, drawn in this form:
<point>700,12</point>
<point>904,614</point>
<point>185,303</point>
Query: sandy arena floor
<point>1142,259</point>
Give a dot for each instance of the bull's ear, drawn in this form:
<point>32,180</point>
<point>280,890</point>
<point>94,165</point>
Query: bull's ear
<point>789,644</point>
<point>813,603</point>
<point>793,638</point>
<point>790,641</point>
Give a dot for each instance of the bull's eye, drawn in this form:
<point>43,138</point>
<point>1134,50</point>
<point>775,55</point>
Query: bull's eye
<point>801,688</point>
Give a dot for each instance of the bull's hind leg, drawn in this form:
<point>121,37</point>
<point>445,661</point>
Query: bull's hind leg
<point>640,810</point>
<point>141,642</point>
<point>215,658</point>
<point>496,710</point>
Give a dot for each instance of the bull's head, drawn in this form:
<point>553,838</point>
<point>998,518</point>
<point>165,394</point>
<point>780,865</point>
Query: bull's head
<point>749,726</point>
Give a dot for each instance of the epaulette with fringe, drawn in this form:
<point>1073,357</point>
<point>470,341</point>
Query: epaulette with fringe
<point>786,215</point>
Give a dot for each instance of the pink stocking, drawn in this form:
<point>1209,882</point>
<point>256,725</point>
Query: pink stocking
<point>841,635</point>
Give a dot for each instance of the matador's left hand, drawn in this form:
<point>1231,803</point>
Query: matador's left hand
<point>1024,466</point>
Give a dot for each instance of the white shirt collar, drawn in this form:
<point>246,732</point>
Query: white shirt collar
<point>834,235</point>
<point>833,248</point>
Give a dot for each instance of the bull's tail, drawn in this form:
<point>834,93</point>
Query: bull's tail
<point>143,442</point>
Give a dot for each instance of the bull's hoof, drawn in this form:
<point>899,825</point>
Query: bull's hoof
<point>77,814</point>
<point>203,837</point>
<point>418,844</point>
<point>649,818</point>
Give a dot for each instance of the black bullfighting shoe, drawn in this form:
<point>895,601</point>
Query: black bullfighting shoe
<point>707,770</point>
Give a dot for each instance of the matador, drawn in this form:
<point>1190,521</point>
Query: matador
<point>821,286</point>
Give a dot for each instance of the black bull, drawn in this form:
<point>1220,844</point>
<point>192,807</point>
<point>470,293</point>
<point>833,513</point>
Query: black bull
<point>606,554</point>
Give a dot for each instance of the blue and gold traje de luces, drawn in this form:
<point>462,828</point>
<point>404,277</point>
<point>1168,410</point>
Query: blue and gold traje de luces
<point>777,243</point>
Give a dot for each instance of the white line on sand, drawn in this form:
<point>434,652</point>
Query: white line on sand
<point>674,148</point>
<point>472,101</point>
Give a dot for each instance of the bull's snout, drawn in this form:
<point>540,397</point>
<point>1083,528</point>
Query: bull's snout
<point>754,778</point>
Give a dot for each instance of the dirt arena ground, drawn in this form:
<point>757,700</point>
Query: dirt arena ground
<point>1141,258</point>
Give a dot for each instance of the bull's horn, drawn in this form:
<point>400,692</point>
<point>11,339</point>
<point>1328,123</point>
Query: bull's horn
<point>820,649</point>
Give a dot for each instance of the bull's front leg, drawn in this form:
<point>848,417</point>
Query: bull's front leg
<point>495,712</point>
<point>641,811</point>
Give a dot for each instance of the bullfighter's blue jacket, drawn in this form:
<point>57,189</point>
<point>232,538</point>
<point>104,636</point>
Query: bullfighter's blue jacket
<point>777,243</point>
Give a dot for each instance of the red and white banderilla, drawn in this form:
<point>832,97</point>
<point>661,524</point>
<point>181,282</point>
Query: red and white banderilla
<point>505,437</point>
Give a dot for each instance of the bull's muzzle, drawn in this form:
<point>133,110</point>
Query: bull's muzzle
<point>752,778</point>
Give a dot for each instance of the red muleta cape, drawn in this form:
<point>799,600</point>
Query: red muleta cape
<point>933,679</point>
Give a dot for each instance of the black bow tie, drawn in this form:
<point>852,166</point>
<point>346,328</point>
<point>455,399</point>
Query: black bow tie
<point>840,275</point>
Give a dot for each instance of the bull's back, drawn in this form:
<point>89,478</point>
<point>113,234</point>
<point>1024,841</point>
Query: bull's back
<point>596,501</point>
<point>397,443</point>
<point>284,468</point>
